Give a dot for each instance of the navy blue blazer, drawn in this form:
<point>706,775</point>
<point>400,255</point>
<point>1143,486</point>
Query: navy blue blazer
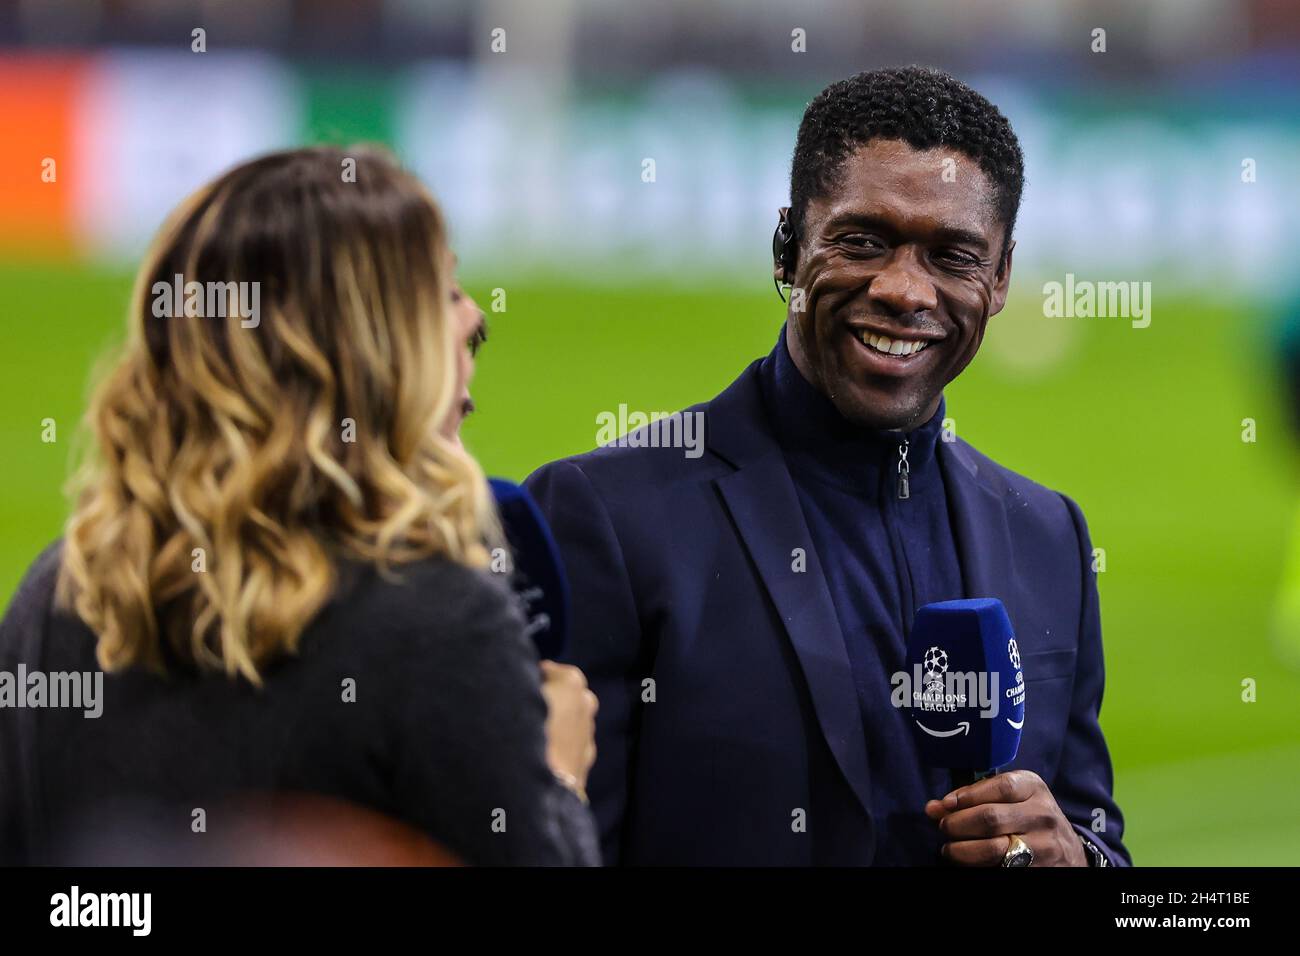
<point>727,709</point>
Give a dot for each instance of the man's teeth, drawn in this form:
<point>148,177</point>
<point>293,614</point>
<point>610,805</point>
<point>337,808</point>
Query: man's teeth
<point>890,346</point>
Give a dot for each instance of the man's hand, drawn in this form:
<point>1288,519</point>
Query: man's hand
<point>978,819</point>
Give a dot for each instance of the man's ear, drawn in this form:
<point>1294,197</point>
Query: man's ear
<point>1002,281</point>
<point>780,238</point>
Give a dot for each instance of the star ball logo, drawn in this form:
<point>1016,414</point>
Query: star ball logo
<point>935,664</point>
<point>933,687</point>
<point>941,690</point>
<point>1013,650</point>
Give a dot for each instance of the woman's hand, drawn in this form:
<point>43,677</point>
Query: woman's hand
<point>570,723</point>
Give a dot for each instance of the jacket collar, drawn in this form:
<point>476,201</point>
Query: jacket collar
<point>820,443</point>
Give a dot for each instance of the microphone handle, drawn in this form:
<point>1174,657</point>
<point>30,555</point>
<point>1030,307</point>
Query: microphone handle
<point>964,778</point>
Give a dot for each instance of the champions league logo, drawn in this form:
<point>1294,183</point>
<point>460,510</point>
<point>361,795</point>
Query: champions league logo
<point>934,688</point>
<point>1015,695</point>
<point>961,678</point>
<point>942,691</point>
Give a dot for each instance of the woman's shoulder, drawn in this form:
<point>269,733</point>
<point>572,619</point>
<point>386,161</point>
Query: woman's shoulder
<point>22,629</point>
<point>435,600</point>
<point>32,600</point>
<point>43,572</point>
<point>453,589</point>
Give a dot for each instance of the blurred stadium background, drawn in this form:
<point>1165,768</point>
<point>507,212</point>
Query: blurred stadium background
<point>655,294</point>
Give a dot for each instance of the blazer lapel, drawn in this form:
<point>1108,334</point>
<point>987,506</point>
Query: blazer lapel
<point>761,497</point>
<point>979,523</point>
<point>762,500</point>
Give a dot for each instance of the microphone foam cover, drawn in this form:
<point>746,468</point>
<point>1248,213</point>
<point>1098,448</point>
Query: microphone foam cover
<point>538,577</point>
<point>965,690</point>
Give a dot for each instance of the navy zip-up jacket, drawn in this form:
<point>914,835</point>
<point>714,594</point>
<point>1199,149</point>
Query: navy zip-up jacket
<point>733,728</point>
<point>876,509</point>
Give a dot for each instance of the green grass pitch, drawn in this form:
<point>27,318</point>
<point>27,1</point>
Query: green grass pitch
<point>1141,426</point>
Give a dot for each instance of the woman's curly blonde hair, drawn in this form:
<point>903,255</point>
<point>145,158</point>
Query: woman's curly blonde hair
<point>238,459</point>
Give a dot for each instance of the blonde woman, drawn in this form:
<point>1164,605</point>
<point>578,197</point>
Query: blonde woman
<point>276,568</point>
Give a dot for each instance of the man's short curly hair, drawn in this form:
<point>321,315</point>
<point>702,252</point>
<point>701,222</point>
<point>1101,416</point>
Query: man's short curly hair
<point>923,107</point>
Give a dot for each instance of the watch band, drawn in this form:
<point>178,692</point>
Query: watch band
<point>1019,853</point>
<point>1095,856</point>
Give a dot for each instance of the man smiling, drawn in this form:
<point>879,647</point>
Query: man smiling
<point>739,614</point>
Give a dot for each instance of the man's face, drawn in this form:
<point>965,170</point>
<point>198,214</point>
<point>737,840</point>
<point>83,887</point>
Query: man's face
<point>896,250</point>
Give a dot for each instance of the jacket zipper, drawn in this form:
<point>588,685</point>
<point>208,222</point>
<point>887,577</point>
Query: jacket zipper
<point>904,471</point>
<point>893,517</point>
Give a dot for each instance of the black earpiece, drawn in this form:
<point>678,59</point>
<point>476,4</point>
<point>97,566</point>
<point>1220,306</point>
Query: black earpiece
<point>784,246</point>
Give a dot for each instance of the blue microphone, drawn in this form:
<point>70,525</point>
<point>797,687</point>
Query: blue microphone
<point>966,697</point>
<point>537,575</point>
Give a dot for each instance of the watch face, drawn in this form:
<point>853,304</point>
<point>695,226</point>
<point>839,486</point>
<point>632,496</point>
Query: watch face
<point>1019,853</point>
